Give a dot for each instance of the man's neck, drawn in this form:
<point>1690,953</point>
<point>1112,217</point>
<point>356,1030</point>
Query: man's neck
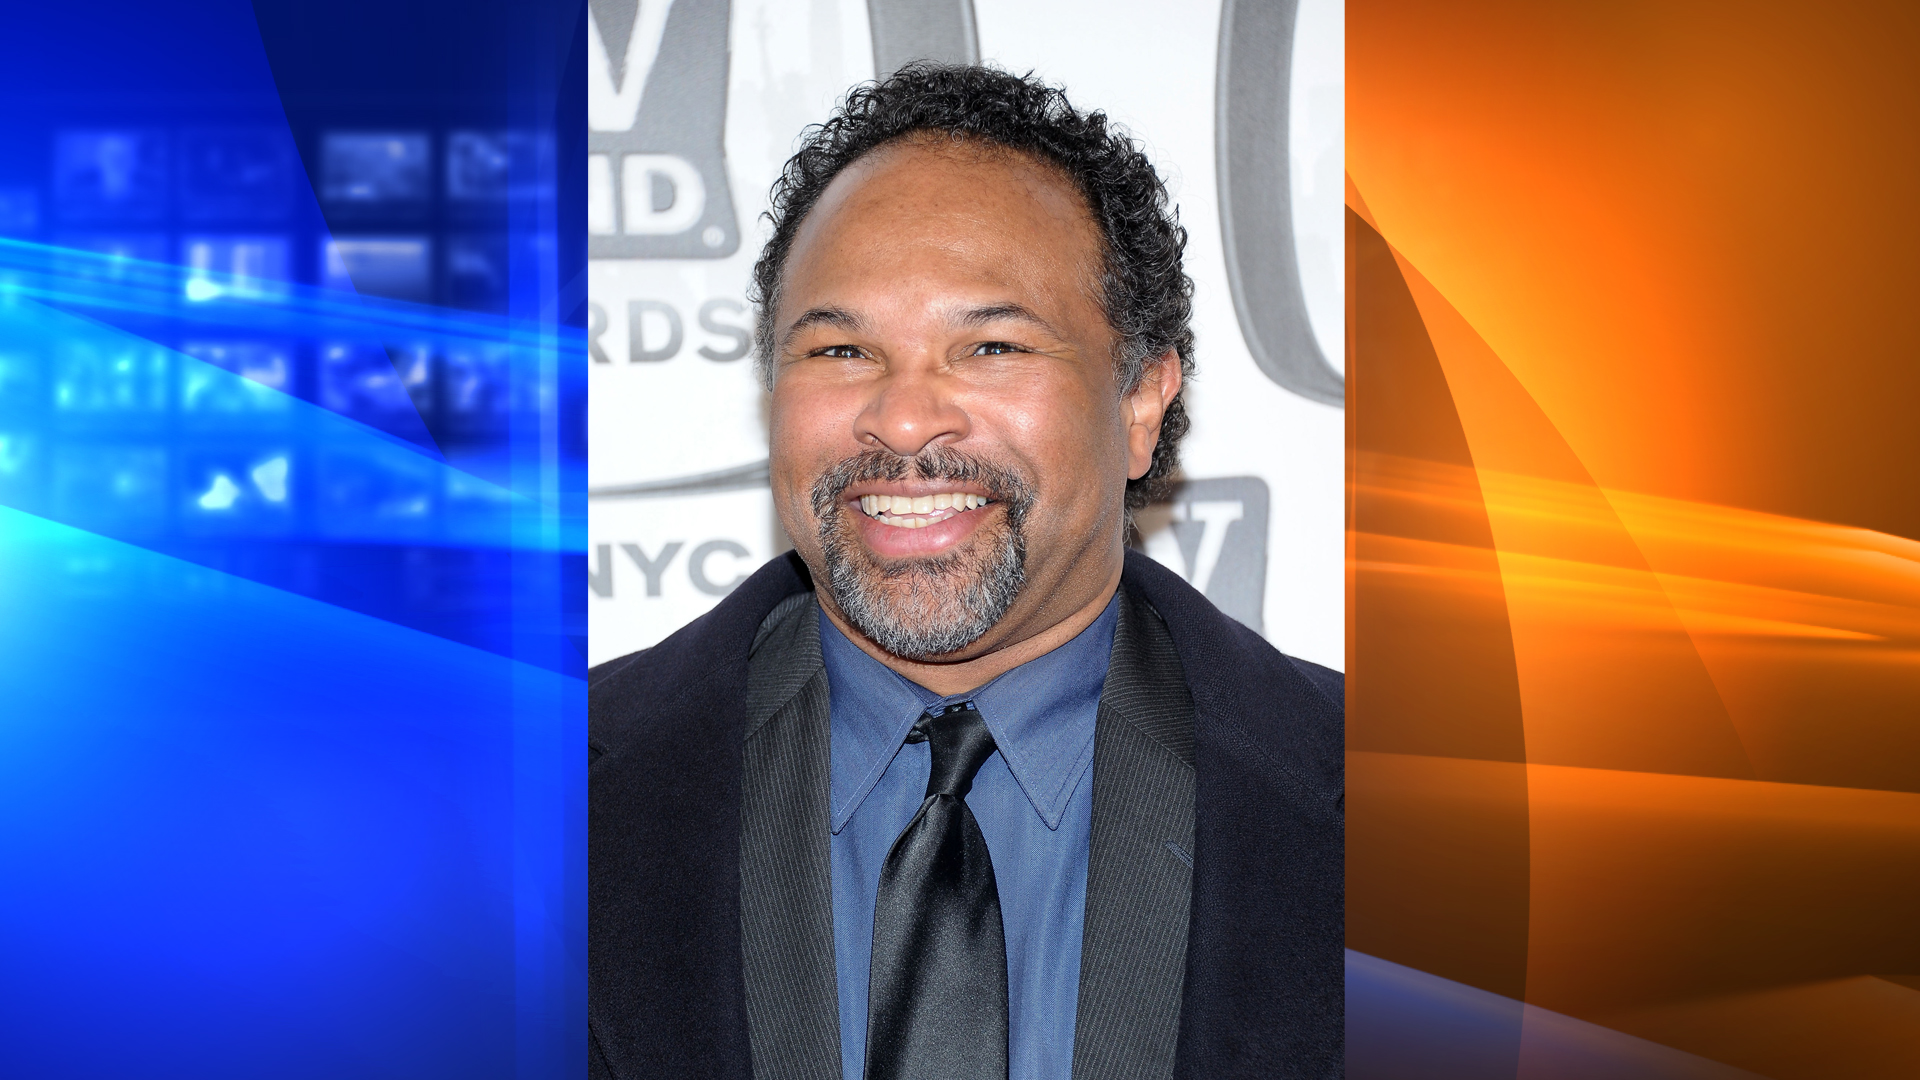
<point>1013,648</point>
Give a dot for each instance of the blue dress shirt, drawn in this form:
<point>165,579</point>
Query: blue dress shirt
<point>1033,799</point>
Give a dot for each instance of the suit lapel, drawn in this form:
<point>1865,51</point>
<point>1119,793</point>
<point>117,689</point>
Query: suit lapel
<point>1265,987</point>
<point>786,889</point>
<point>665,992</point>
<point>1139,866</point>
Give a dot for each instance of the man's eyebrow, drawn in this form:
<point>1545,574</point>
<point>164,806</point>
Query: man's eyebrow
<point>981,316</point>
<point>840,318</point>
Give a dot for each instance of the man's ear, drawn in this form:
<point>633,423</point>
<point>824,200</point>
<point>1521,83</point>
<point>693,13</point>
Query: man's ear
<point>1145,408</point>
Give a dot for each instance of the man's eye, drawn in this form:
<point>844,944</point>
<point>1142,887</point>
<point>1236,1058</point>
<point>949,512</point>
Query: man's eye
<point>841,352</point>
<point>996,348</point>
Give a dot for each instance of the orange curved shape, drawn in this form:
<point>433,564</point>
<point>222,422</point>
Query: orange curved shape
<point>1651,266</point>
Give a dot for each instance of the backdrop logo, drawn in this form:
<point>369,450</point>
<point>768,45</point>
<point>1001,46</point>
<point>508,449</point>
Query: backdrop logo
<point>714,567</point>
<point>656,116</point>
<point>1214,534</point>
<point>1256,200</point>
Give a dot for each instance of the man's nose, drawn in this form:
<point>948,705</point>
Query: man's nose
<point>910,410</point>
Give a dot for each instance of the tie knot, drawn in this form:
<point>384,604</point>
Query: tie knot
<point>961,744</point>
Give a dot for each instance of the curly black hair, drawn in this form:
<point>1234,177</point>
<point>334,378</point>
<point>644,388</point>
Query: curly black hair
<point>1147,296</point>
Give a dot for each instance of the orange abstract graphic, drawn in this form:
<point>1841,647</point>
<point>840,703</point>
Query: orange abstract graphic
<point>1634,564</point>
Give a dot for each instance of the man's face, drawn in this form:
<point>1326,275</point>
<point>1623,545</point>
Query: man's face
<point>950,448</point>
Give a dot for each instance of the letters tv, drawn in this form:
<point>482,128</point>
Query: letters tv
<point>656,109</point>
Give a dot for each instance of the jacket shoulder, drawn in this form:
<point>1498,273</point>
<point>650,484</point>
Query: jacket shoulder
<point>623,693</point>
<point>1291,711</point>
<point>1331,684</point>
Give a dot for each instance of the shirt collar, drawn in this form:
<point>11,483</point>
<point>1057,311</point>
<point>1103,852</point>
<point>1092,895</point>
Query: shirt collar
<point>1041,715</point>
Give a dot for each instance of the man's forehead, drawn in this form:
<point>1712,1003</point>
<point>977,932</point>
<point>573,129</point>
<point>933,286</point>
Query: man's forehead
<point>947,185</point>
<point>992,218</point>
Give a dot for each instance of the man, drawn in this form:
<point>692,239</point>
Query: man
<point>961,788</point>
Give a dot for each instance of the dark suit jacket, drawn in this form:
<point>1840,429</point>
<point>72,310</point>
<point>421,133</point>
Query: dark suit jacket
<point>710,942</point>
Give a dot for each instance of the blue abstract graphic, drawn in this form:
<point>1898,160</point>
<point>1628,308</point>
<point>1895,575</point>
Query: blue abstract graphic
<point>292,378</point>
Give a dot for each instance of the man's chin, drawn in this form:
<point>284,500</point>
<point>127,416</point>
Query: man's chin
<point>928,607</point>
<point>921,640</point>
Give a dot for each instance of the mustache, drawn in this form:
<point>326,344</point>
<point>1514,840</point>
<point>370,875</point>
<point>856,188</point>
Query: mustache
<point>1002,484</point>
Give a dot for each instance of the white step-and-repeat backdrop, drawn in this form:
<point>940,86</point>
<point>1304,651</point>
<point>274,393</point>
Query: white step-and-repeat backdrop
<point>694,105</point>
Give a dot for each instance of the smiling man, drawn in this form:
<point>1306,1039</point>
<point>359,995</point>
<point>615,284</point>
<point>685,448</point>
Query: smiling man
<point>961,787</point>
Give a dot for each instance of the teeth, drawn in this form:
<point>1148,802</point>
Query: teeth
<point>891,508</point>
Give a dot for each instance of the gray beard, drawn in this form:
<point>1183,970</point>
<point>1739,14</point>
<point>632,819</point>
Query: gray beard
<point>920,609</point>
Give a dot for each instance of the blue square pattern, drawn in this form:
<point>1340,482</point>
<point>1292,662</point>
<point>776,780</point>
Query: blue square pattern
<point>112,175</point>
<point>376,168</point>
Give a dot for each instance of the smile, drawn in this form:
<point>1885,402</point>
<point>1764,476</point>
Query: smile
<point>919,511</point>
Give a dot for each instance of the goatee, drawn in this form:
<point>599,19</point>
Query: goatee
<point>924,608</point>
